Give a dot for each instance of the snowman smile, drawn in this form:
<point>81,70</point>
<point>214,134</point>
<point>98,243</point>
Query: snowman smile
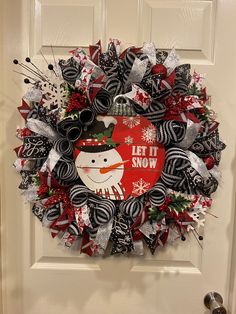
<point>100,181</point>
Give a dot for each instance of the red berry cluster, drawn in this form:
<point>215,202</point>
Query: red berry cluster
<point>77,101</point>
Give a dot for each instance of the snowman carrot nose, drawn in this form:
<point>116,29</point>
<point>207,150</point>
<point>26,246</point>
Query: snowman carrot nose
<point>112,167</point>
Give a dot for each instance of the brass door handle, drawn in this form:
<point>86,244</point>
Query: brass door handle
<point>214,302</point>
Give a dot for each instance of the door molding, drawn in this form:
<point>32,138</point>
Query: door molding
<point>232,286</point>
<point>1,161</point>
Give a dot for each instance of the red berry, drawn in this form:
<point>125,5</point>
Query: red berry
<point>210,162</point>
<point>202,110</point>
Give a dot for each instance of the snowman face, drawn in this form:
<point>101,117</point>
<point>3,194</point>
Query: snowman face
<point>100,170</point>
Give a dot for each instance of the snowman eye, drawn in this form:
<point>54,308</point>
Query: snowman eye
<point>93,161</point>
<point>105,160</point>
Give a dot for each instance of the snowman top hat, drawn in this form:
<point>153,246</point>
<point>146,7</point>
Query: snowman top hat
<point>98,137</point>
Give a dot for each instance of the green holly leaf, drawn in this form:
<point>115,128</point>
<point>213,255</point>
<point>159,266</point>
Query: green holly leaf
<point>36,180</point>
<point>156,214</point>
<point>107,133</point>
<point>179,203</point>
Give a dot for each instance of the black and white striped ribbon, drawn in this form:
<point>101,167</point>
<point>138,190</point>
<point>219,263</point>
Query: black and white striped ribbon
<point>170,132</point>
<point>114,86</point>
<point>103,209</point>
<point>132,207</point>
<point>73,228</point>
<point>70,70</point>
<point>102,102</point>
<point>128,63</point>
<point>155,112</point>
<point>93,231</point>
<point>180,88</point>
<point>157,194</point>
<point>53,213</point>
<point>176,161</point>
<point>69,128</point>
<point>64,147</point>
<point>129,60</point>
<point>65,172</point>
<point>79,195</point>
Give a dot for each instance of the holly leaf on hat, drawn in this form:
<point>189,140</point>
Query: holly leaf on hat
<point>110,141</point>
<point>98,136</point>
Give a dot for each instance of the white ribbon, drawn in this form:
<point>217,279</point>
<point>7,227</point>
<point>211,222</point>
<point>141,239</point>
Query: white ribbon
<point>41,128</point>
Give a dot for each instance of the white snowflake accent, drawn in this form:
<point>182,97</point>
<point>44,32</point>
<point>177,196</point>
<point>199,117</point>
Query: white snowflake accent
<point>115,63</point>
<point>106,57</point>
<point>131,122</point>
<point>198,216</point>
<point>42,149</point>
<point>53,94</point>
<point>129,140</point>
<point>149,134</point>
<point>140,187</point>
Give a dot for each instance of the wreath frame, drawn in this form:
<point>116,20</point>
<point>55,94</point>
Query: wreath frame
<point>64,102</point>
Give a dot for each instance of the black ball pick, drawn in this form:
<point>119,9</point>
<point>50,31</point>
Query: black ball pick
<point>27,81</point>
<point>50,67</point>
<point>15,61</point>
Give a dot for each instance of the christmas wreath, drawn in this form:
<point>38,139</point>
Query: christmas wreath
<point>120,149</point>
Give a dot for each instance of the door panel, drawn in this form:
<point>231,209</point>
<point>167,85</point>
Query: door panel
<point>41,276</point>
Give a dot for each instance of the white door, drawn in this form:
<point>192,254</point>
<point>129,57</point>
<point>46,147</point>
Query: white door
<point>41,277</point>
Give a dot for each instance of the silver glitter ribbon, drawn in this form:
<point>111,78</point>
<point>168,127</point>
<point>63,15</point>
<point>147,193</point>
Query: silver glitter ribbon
<point>198,164</point>
<point>215,172</point>
<point>171,62</point>
<point>34,94</point>
<point>148,229</point>
<point>137,71</point>
<point>150,50</point>
<point>103,235</point>
<point>192,130</point>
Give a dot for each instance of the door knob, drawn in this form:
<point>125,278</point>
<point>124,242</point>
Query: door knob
<point>214,302</point>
